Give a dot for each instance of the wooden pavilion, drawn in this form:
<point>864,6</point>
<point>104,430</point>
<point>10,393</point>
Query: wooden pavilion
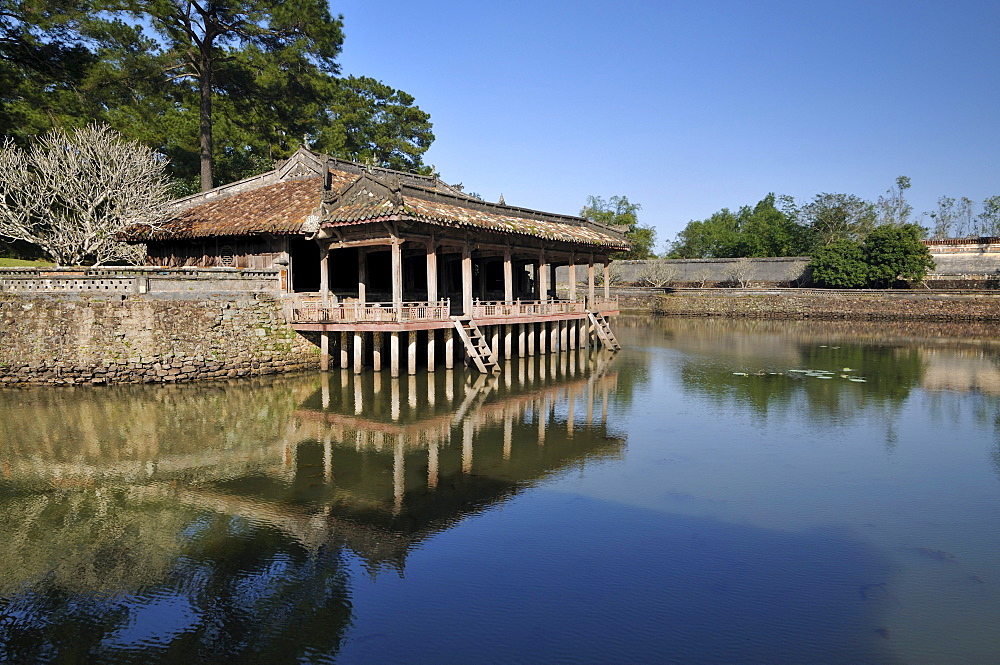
<point>368,254</point>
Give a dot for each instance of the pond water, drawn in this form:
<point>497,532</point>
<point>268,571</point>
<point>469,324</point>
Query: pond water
<point>717,492</point>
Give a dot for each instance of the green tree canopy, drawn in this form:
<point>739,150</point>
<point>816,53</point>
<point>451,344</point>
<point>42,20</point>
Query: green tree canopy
<point>839,265</point>
<point>222,89</point>
<point>619,211</point>
<point>831,218</point>
<point>760,230</point>
<point>896,253</point>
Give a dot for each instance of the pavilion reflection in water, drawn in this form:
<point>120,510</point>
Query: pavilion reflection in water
<point>379,464</point>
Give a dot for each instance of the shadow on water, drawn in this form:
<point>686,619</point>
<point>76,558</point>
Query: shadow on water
<point>222,523</point>
<point>611,584</point>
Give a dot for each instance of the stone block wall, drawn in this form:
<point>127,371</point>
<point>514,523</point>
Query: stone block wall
<point>46,339</point>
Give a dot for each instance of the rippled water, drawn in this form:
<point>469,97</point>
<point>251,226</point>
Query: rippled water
<point>718,492</point>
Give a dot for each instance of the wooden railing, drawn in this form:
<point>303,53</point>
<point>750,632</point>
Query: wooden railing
<point>501,309</point>
<point>314,311</point>
<point>603,304</point>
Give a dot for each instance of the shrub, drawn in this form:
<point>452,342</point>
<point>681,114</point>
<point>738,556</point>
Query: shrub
<point>840,265</point>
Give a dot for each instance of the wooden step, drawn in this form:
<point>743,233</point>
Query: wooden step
<point>603,331</point>
<point>475,345</point>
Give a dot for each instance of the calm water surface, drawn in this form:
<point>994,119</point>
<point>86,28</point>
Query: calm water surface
<point>718,492</point>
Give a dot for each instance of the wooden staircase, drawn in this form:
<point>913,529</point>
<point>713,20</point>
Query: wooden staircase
<point>601,326</point>
<point>475,345</point>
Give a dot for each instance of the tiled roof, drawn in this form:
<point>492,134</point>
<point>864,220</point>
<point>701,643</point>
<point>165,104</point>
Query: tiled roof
<point>280,208</point>
<point>438,211</point>
<point>366,205</point>
<point>356,195</point>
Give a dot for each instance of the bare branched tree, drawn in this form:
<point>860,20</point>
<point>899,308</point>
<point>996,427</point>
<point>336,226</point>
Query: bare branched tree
<point>703,276</point>
<point>741,271</point>
<point>615,273</point>
<point>71,194</point>
<point>657,273</point>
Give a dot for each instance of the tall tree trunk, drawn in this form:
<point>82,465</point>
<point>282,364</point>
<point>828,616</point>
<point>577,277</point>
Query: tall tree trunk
<point>205,80</point>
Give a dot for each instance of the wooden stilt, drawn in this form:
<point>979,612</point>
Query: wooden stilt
<point>345,361</point>
<point>358,349</point>
<point>324,351</point>
<point>430,350</point>
<point>531,338</point>
<point>521,351</point>
<point>394,354</point>
<point>507,342</point>
<point>543,337</point>
<point>377,351</point>
<point>449,348</point>
<point>411,353</point>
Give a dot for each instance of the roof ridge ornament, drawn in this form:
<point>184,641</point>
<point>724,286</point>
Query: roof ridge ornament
<point>501,202</point>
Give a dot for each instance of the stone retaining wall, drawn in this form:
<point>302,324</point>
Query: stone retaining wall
<point>799,304</point>
<point>46,339</point>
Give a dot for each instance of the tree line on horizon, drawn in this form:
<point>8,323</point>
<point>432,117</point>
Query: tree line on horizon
<point>221,89</point>
<point>781,226</point>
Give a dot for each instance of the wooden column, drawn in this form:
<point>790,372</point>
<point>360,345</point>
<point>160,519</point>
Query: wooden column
<point>607,279</point>
<point>397,275</point>
<point>531,338</point>
<point>411,353</point>
<point>362,276</point>
<point>466,280</point>
<point>508,342</point>
<point>564,335</point>
<point>572,278</point>
<point>543,334</point>
<point>394,354</point>
<point>358,348</point>
<point>345,360</point>
<point>432,273</point>
<point>590,282</point>
<point>430,350</point>
<point>495,341</point>
<point>508,277</point>
<point>558,336</point>
<point>324,274</point>
<point>543,279</point>
<point>520,340</point>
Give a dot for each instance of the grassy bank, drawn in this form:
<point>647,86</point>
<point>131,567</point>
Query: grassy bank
<point>18,263</point>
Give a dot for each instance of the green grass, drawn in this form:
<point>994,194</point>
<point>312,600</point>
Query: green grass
<point>18,263</point>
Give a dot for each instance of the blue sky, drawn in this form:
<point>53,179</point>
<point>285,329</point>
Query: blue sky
<point>689,107</point>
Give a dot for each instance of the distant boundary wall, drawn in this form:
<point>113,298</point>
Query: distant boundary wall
<point>959,264</point>
<point>69,339</point>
